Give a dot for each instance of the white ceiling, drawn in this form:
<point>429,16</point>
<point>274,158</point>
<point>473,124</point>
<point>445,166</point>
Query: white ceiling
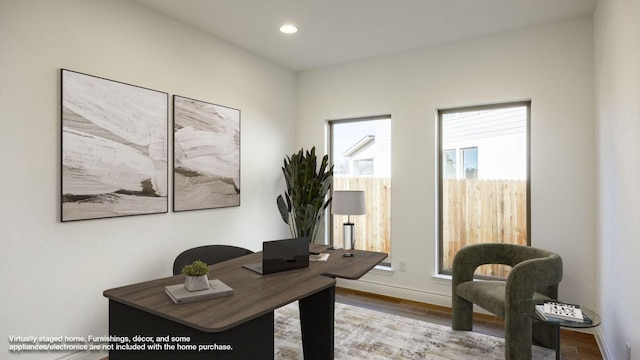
<point>338,31</point>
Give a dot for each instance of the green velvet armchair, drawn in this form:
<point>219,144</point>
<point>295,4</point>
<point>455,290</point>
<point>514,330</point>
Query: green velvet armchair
<point>535,273</point>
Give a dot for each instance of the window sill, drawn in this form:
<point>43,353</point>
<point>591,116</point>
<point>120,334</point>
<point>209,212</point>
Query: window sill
<point>382,270</point>
<point>441,279</point>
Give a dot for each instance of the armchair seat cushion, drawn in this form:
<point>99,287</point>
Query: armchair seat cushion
<point>489,295</point>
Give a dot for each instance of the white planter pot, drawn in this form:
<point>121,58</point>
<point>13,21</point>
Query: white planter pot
<point>196,283</point>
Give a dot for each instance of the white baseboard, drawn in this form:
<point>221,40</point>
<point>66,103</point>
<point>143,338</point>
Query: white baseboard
<point>397,292</point>
<point>604,349</point>
<point>428,297</point>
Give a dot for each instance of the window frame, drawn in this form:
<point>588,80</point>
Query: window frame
<point>329,133</point>
<point>439,170</point>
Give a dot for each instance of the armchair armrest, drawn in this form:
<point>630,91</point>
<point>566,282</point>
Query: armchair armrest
<point>542,275</point>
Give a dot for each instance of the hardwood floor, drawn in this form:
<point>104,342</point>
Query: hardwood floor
<point>574,345</point>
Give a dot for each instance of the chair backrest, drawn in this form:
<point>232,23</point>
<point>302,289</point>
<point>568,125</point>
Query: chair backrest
<point>210,254</point>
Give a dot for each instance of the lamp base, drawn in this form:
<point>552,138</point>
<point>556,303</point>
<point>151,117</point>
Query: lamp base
<point>347,229</point>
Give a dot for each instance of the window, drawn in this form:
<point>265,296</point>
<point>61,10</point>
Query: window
<point>467,169</point>
<point>449,164</point>
<point>470,163</point>
<point>483,188</point>
<point>360,150</point>
<point>363,167</point>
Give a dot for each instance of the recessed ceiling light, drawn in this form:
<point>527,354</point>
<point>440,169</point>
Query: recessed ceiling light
<point>288,29</point>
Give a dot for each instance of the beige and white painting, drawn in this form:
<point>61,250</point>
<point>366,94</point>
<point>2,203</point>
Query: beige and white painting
<point>114,148</point>
<point>206,155</point>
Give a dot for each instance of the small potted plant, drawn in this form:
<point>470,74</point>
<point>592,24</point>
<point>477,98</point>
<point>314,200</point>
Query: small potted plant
<point>196,276</point>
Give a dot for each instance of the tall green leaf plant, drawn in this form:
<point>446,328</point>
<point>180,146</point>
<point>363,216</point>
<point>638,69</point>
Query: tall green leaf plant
<point>305,199</point>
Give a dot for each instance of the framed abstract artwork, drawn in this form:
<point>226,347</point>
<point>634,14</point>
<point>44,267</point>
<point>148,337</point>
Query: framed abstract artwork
<point>206,155</point>
<point>114,148</point>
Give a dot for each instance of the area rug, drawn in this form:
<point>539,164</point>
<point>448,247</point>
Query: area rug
<point>366,334</point>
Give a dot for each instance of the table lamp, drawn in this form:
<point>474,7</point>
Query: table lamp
<point>348,202</point>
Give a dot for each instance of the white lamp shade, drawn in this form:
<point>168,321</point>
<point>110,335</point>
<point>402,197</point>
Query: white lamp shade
<point>348,203</point>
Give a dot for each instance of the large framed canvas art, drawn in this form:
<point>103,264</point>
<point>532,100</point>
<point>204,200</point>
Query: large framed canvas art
<point>114,148</point>
<point>206,146</point>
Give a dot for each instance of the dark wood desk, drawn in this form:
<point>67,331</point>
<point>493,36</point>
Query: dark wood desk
<point>242,324</point>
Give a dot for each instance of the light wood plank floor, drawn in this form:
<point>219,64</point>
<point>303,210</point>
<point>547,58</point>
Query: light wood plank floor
<point>574,345</point>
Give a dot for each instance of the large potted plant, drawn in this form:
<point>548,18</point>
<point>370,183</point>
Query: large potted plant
<point>305,199</point>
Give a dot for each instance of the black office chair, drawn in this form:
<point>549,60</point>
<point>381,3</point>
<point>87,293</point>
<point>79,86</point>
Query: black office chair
<point>210,254</point>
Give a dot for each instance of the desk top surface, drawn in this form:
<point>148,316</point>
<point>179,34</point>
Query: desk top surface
<point>254,294</point>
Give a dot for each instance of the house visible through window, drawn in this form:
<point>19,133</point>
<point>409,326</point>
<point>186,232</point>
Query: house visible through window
<point>483,192</point>
<point>360,150</point>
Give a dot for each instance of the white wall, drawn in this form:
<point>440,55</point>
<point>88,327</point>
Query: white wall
<point>617,68</point>
<point>52,273</point>
<point>551,64</point>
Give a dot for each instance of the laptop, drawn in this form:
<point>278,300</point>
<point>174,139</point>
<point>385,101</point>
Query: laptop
<point>282,255</point>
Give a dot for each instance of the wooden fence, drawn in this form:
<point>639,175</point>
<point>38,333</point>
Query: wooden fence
<point>481,211</point>
<point>373,230</point>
